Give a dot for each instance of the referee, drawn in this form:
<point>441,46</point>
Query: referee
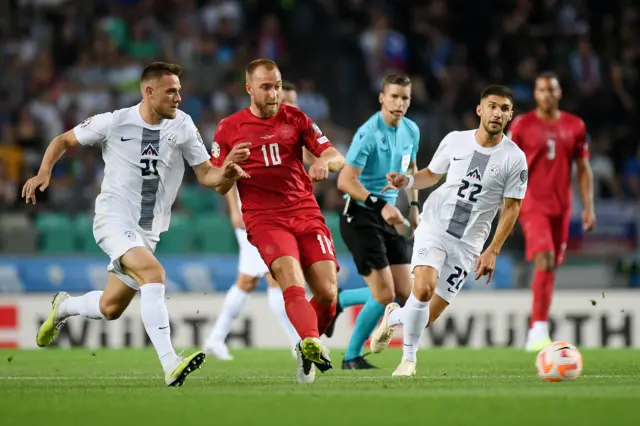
<point>387,142</point>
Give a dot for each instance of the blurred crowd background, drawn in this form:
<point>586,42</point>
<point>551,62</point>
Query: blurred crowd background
<point>62,61</point>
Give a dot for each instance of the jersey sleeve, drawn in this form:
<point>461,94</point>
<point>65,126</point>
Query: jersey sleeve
<point>360,149</point>
<point>312,137</point>
<point>193,150</point>
<point>581,149</point>
<point>440,162</point>
<point>516,185</point>
<point>94,129</point>
<point>221,144</point>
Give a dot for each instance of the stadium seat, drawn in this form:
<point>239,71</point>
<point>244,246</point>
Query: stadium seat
<point>55,233</point>
<point>180,237</point>
<point>198,200</point>
<point>332,219</point>
<point>17,235</point>
<point>85,242</point>
<point>215,234</point>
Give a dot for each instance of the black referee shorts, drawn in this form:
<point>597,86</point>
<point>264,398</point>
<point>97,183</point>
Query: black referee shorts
<point>373,243</point>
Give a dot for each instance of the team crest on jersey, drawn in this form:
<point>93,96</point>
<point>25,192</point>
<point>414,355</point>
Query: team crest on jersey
<point>215,149</point>
<point>475,174</point>
<point>172,139</point>
<point>316,129</point>
<point>422,253</point>
<point>130,235</point>
<point>150,151</point>
<point>494,170</point>
<point>286,131</point>
<point>86,122</point>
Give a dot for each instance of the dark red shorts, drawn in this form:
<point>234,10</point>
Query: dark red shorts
<point>305,238</point>
<point>544,233</point>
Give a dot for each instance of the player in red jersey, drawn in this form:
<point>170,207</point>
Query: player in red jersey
<point>281,215</point>
<point>552,140</point>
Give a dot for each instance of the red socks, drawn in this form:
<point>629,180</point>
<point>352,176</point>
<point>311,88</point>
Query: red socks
<point>542,288</point>
<point>300,313</point>
<point>325,314</point>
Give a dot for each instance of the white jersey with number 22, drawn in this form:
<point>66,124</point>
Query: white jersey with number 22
<point>477,181</point>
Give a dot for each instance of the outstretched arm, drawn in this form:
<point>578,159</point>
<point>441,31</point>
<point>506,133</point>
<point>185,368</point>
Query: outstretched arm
<point>508,217</point>
<point>54,152</point>
<point>420,180</point>
<point>486,263</point>
<point>223,178</point>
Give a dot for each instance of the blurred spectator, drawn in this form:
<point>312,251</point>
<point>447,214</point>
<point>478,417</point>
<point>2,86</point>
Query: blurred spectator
<point>271,43</point>
<point>312,102</point>
<point>631,176</point>
<point>585,67</point>
<point>384,50</point>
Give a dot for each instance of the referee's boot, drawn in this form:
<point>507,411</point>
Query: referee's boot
<point>358,363</point>
<point>339,309</point>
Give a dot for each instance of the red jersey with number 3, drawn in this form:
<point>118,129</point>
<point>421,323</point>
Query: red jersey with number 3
<point>551,148</point>
<point>279,184</point>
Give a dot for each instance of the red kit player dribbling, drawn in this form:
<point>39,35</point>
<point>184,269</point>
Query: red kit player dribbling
<point>281,215</point>
<point>552,140</point>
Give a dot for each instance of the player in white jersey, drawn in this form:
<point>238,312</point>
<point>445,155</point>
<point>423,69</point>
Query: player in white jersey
<point>143,149</point>
<point>485,171</point>
<point>251,268</point>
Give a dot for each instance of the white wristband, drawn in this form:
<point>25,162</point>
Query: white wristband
<point>410,183</point>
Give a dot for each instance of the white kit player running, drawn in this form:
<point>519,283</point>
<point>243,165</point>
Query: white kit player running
<point>485,171</point>
<point>251,268</point>
<point>143,149</point>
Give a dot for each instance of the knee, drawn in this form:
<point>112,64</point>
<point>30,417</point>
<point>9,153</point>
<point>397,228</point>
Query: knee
<point>386,296</point>
<point>110,310</point>
<point>247,283</point>
<point>423,292</point>
<point>328,294</point>
<point>152,272</point>
<point>545,261</point>
<point>287,273</point>
<point>424,284</point>
<point>382,288</point>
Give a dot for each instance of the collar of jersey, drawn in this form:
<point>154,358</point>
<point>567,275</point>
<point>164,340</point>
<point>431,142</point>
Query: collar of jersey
<point>144,123</point>
<point>384,126</point>
<point>488,150</point>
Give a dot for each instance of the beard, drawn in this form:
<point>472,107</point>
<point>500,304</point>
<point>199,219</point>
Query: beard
<point>491,128</point>
<point>268,110</point>
<point>166,114</point>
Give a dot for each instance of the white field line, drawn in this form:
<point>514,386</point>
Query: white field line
<point>292,376</point>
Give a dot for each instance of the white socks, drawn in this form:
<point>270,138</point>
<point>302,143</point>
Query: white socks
<point>276,303</point>
<point>87,305</point>
<point>231,308</point>
<point>414,318</point>
<point>155,318</point>
<point>541,327</point>
<point>234,303</point>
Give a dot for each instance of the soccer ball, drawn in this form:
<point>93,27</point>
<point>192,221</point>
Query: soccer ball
<point>558,362</point>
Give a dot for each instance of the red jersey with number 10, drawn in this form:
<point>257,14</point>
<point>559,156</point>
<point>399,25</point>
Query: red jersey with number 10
<point>550,147</point>
<point>279,184</point>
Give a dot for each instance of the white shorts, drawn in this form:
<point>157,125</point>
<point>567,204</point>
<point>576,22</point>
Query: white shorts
<point>250,262</point>
<point>453,262</point>
<point>116,236</point>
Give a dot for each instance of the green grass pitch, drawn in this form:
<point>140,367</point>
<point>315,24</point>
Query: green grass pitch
<point>453,387</point>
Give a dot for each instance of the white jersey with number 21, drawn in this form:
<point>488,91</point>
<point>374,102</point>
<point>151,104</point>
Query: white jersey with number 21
<point>143,164</point>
